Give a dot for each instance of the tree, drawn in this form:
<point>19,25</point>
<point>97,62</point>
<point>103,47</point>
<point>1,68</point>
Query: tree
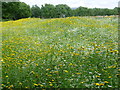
<point>15,10</point>
<point>36,11</point>
<point>116,10</point>
<point>18,10</point>
<point>48,11</point>
<point>23,11</point>
<point>9,9</point>
<point>63,9</point>
<point>82,11</point>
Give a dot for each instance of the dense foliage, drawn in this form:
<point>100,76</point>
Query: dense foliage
<point>36,12</point>
<point>17,10</point>
<point>63,10</point>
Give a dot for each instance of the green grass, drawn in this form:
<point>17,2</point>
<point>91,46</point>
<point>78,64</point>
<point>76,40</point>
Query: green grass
<point>74,52</point>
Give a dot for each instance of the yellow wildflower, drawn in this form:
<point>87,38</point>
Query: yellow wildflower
<point>55,71</point>
<point>49,75</point>
<point>35,84</point>
<point>97,84</point>
<point>106,82</point>
<point>65,71</point>
<point>52,80</point>
<point>10,86</point>
<point>2,84</point>
<point>70,64</point>
<point>48,69</point>
<point>81,82</point>
<point>41,85</point>
<point>26,87</point>
<point>97,76</point>
<point>101,84</point>
<point>2,60</point>
<point>51,84</point>
<point>36,64</point>
<point>20,83</point>
<point>78,73</point>
<point>6,76</point>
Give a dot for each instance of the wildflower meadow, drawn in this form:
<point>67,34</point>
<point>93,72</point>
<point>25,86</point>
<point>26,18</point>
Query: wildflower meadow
<point>72,52</point>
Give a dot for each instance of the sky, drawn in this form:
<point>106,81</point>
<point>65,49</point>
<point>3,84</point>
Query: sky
<point>76,3</point>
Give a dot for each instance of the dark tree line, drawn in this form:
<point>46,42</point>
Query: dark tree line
<point>63,10</point>
<point>15,10</point>
<point>18,10</point>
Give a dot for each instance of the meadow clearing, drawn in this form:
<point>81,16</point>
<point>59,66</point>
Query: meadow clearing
<point>73,52</point>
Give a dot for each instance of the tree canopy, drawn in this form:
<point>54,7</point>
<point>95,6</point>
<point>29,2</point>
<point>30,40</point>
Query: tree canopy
<point>36,11</point>
<point>18,10</point>
<point>15,10</point>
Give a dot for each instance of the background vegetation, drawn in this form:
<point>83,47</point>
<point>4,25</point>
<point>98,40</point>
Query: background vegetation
<point>15,10</point>
<point>18,10</point>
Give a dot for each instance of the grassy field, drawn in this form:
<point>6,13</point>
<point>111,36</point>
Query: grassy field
<point>73,52</point>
